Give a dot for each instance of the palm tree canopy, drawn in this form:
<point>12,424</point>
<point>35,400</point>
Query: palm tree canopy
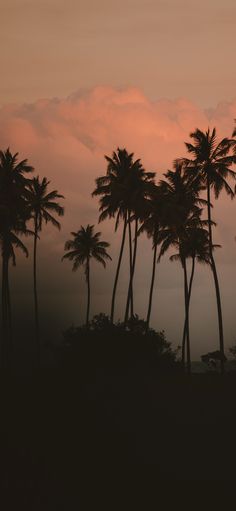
<point>12,171</point>
<point>123,187</point>
<point>84,246</point>
<point>180,192</point>
<point>155,206</point>
<point>13,189</point>
<point>195,245</point>
<point>212,160</point>
<point>12,241</point>
<point>172,204</point>
<point>181,209</point>
<point>43,203</point>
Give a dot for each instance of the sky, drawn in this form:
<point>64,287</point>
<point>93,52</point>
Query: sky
<point>84,77</point>
<point>168,48</point>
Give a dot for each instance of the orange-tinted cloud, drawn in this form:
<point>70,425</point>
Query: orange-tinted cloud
<point>88,124</point>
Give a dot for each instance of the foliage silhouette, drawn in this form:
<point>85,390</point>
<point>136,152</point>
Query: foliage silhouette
<point>196,247</point>
<point>85,246</point>
<point>181,218</point>
<point>119,191</point>
<point>14,215</point>
<point>152,224</point>
<point>42,207</point>
<point>107,344</point>
<point>211,162</point>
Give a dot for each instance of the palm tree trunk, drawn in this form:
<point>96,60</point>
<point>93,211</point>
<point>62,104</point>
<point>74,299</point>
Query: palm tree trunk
<point>152,286</point>
<point>187,315</point>
<point>36,313</point>
<point>130,291</point>
<point>217,287</point>
<point>8,318</point>
<point>185,322</point>
<point>88,284</point>
<point>118,269</point>
<point>4,313</point>
<point>8,299</point>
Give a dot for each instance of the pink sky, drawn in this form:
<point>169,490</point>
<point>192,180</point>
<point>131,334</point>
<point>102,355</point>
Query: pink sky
<point>144,75</point>
<point>66,139</point>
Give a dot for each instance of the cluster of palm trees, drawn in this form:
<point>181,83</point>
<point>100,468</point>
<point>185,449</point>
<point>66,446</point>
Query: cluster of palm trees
<point>171,213</point>
<point>25,204</point>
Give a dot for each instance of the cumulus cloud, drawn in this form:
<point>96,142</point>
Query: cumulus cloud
<point>89,123</point>
<point>66,139</point>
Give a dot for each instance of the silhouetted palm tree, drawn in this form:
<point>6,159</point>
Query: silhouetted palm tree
<point>117,189</point>
<point>8,244</point>
<point>141,189</point>
<point>43,206</point>
<point>211,162</point>
<point>196,247</point>
<point>152,226</point>
<point>172,238</point>
<point>13,218</point>
<point>181,215</point>
<point>84,246</point>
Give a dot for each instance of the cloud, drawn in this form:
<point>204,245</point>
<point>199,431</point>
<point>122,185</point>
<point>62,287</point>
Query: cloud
<point>66,139</point>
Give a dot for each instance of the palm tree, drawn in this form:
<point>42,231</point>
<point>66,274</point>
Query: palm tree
<point>116,189</point>
<point>178,238</point>
<point>8,244</point>
<point>43,206</point>
<point>84,246</point>
<point>13,218</point>
<point>196,247</point>
<point>211,162</point>
<point>180,216</point>
<point>152,226</point>
<point>142,188</point>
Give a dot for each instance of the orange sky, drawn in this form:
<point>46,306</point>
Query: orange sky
<point>141,76</point>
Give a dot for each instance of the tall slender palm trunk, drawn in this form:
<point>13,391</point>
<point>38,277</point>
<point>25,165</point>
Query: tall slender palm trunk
<point>8,299</point>
<point>217,287</point>
<point>152,286</point>
<point>185,321</point>
<point>130,302</point>
<point>118,269</point>
<point>130,289</point>
<point>6,313</point>
<point>187,315</point>
<point>9,315</point>
<point>88,300</point>
<point>36,311</point>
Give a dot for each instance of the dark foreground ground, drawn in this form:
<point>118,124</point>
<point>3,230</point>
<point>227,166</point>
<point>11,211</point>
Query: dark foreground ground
<point>60,428</point>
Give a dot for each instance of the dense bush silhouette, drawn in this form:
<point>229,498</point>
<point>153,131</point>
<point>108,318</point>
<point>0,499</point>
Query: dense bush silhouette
<point>106,344</point>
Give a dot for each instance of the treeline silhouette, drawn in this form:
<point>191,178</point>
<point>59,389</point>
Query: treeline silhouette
<point>175,212</point>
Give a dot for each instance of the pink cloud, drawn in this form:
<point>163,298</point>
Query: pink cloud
<point>66,139</point>
<point>87,124</point>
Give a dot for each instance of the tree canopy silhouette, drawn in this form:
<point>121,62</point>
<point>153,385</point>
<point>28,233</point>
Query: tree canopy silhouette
<point>211,162</point>
<point>13,218</point>
<point>43,207</point>
<point>84,246</point>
